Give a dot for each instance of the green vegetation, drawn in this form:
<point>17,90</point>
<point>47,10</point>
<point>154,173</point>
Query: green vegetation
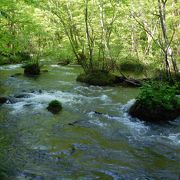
<point>101,78</point>
<point>101,35</point>
<point>157,102</point>
<point>158,94</point>
<point>54,107</point>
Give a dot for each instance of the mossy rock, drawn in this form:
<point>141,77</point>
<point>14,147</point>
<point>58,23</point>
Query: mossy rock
<point>156,115</point>
<point>101,78</point>
<point>31,69</point>
<point>54,107</point>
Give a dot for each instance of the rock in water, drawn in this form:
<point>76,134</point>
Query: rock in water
<point>54,107</point>
<point>156,115</point>
<point>31,69</point>
<point>3,100</point>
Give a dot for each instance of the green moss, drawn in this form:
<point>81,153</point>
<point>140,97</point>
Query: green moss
<point>101,78</point>
<point>54,106</point>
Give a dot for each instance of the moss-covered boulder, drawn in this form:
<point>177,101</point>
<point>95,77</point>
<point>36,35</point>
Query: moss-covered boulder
<point>158,114</point>
<point>3,100</point>
<point>101,78</point>
<point>32,69</point>
<point>54,107</point>
<point>157,102</point>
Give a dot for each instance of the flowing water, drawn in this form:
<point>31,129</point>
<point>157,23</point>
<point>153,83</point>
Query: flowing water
<point>79,142</point>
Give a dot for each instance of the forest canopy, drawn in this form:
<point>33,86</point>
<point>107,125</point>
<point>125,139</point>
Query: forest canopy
<point>97,34</point>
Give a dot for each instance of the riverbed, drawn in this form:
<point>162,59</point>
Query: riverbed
<point>92,138</point>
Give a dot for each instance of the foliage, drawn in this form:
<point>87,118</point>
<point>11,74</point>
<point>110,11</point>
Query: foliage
<point>55,103</point>
<point>95,34</point>
<point>177,87</point>
<point>158,95</point>
<point>132,67</point>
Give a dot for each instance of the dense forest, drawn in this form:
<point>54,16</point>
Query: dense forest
<point>89,89</point>
<point>95,34</point>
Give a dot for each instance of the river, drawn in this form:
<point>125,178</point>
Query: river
<point>92,138</point>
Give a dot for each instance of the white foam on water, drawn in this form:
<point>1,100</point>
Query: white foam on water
<point>65,82</point>
<point>10,67</point>
<point>105,98</point>
<point>98,123</point>
<point>55,65</point>
<point>136,126</point>
<point>175,138</point>
<point>69,73</point>
<point>127,106</point>
<point>169,139</point>
<point>39,101</point>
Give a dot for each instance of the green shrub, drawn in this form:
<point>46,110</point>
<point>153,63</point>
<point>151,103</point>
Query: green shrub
<point>4,60</point>
<point>55,103</point>
<point>158,95</point>
<point>131,67</point>
<point>177,87</point>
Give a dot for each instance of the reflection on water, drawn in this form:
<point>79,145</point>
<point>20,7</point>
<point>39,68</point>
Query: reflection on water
<point>92,138</point>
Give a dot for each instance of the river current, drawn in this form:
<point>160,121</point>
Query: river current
<point>92,138</point>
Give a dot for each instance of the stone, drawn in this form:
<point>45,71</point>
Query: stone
<point>155,115</point>
<point>3,100</point>
<point>54,107</point>
<point>31,69</point>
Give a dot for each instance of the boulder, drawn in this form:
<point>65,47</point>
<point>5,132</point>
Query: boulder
<point>54,107</point>
<point>31,69</point>
<point>160,114</point>
<point>3,100</point>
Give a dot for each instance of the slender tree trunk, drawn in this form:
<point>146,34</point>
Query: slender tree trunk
<point>88,37</point>
<point>165,46</point>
